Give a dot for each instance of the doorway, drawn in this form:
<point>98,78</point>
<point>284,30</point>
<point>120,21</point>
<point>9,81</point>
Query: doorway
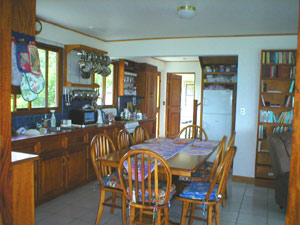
<point>180,98</point>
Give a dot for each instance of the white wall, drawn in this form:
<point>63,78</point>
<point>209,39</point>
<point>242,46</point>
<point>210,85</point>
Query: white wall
<point>248,50</point>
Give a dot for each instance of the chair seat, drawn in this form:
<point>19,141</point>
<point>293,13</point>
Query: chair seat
<point>161,193</point>
<point>201,174</point>
<point>198,190</point>
<point>112,181</point>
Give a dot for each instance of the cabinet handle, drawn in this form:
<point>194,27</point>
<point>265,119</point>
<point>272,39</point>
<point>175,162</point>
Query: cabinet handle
<point>63,160</point>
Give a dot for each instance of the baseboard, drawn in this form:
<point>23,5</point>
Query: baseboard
<point>248,180</point>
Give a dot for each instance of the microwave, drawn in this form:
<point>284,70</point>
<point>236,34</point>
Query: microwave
<point>83,116</point>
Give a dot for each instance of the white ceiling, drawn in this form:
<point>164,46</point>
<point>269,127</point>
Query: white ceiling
<point>178,58</point>
<point>143,19</point>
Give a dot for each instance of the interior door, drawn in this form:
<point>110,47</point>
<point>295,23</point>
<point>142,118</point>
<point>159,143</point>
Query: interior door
<point>151,94</point>
<point>173,105</point>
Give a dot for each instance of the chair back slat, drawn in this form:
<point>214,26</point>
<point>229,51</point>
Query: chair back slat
<point>101,145</point>
<point>140,135</point>
<point>149,178</point>
<point>148,181</point>
<point>193,132</point>
<point>221,176</point>
<point>218,158</point>
<point>124,140</point>
<point>231,141</point>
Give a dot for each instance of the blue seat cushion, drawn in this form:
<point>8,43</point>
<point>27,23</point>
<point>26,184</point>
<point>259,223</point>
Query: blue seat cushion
<point>112,181</point>
<point>161,192</point>
<point>201,174</point>
<point>198,190</point>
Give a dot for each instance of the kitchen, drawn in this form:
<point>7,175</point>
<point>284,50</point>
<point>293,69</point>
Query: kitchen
<point>112,50</point>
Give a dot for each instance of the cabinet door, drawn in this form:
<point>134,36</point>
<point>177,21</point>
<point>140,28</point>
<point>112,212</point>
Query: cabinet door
<point>149,125</point>
<point>76,165</point>
<point>150,97</point>
<point>51,174</point>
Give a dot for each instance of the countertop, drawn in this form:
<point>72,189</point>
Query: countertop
<point>19,157</point>
<point>18,137</point>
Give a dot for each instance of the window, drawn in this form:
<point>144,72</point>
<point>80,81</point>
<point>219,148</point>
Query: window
<point>106,89</point>
<point>50,97</point>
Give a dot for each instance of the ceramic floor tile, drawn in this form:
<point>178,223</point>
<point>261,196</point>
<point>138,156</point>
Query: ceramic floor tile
<point>55,219</point>
<point>52,206</point>
<point>41,215</point>
<point>72,211</point>
<point>246,218</point>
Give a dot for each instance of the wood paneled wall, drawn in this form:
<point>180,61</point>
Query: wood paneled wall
<point>293,215</point>
<point>23,19</point>
<point>5,115</point>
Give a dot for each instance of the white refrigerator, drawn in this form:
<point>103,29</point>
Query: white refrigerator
<point>217,114</point>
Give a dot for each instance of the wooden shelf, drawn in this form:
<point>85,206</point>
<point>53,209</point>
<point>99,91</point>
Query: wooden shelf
<point>219,73</point>
<point>69,84</point>
<point>282,93</point>
<point>279,79</point>
<point>224,83</point>
<point>278,64</point>
<point>69,48</point>
<point>282,108</point>
<point>276,124</point>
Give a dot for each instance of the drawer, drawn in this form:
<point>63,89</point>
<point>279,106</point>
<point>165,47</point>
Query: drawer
<point>50,143</point>
<point>264,158</point>
<point>77,139</point>
<point>264,172</point>
<point>31,148</point>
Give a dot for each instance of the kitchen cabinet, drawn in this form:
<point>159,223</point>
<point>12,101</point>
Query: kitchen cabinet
<point>149,125</point>
<point>50,175</point>
<point>64,161</point>
<point>146,87</point>
<point>23,188</point>
<point>127,77</point>
<point>23,16</point>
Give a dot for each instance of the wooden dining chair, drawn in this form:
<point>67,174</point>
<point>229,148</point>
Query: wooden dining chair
<point>109,181</point>
<point>124,140</point>
<point>192,132</point>
<point>148,198</point>
<point>231,141</point>
<point>207,171</point>
<point>140,135</point>
<point>207,195</point>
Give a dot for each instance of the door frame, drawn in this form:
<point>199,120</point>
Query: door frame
<point>167,96</point>
<point>6,205</point>
<point>158,93</point>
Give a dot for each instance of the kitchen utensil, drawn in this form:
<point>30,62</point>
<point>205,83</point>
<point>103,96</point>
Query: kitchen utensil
<point>106,71</point>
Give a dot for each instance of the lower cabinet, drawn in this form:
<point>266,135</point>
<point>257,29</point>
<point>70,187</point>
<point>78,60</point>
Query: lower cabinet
<point>76,166</point>
<point>51,167</point>
<point>149,125</point>
<point>64,160</point>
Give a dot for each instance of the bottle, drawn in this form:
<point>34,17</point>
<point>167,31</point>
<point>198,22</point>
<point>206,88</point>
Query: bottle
<point>45,121</point>
<point>53,119</point>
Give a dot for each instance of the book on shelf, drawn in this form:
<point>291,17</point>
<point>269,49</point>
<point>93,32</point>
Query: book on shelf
<point>267,116</point>
<point>286,117</point>
<point>291,90</point>
<point>292,72</point>
<point>262,100</point>
<point>274,91</point>
<point>275,105</point>
<point>279,57</point>
<point>293,101</point>
<point>280,129</point>
<point>265,150</point>
<point>287,101</point>
<point>262,131</point>
<point>258,146</point>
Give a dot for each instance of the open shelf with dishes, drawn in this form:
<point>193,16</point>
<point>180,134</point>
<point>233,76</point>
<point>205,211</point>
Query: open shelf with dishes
<point>276,103</point>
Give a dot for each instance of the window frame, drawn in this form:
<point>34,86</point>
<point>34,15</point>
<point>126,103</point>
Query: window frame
<point>115,89</point>
<point>16,90</point>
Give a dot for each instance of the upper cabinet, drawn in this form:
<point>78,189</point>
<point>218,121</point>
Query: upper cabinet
<point>23,16</point>
<point>127,78</point>
<point>73,76</point>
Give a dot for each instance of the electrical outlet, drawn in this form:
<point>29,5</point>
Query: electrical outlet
<point>243,111</point>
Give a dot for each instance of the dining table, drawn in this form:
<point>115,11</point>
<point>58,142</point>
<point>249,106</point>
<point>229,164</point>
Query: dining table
<point>184,156</point>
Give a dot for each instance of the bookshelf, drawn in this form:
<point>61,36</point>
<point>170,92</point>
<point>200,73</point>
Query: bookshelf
<point>276,103</point>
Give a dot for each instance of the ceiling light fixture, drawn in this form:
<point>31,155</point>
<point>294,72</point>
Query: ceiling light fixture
<point>186,11</point>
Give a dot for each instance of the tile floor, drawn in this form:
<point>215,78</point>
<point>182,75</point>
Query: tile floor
<point>247,205</point>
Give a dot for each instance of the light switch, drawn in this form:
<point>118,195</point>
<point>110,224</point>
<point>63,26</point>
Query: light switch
<point>243,111</point>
